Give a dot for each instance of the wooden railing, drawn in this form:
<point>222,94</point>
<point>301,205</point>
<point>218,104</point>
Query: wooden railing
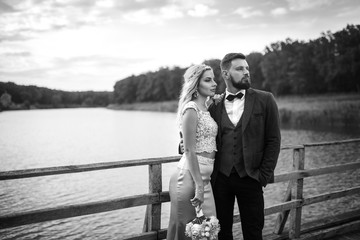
<point>291,206</point>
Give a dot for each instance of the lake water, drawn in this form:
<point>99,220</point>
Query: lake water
<point>46,138</point>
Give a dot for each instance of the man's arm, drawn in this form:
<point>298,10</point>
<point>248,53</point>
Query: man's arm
<point>272,141</point>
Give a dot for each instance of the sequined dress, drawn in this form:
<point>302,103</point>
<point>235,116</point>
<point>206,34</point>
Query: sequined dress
<point>182,186</point>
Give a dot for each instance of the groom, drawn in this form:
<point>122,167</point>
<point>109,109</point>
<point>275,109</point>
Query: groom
<point>248,144</point>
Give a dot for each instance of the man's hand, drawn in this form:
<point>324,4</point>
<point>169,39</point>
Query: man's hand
<point>181,146</point>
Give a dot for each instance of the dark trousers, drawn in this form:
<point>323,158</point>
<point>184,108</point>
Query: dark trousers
<point>249,195</point>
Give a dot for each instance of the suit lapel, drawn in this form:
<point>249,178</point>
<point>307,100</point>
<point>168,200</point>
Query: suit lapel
<point>219,111</point>
<point>216,114</point>
<point>216,111</point>
<point>249,103</point>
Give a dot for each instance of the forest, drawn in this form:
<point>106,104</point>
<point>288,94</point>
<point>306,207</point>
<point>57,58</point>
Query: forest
<point>13,96</point>
<point>328,64</point>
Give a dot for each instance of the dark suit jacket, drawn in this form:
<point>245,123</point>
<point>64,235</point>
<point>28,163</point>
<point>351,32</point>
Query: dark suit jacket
<point>260,135</point>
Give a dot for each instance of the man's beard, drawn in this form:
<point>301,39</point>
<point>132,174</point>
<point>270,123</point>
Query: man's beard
<point>240,85</point>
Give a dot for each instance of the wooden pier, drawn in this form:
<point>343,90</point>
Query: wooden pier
<point>343,226</point>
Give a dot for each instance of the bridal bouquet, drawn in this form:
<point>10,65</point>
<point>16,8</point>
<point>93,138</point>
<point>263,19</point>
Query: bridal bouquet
<point>202,228</point>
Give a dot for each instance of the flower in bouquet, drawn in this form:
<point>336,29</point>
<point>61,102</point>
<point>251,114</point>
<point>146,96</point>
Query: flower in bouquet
<point>203,228</point>
<point>211,227</point>
<point>215,99</point>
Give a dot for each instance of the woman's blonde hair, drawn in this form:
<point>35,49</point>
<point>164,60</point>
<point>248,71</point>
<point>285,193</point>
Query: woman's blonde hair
<point>191,81</point>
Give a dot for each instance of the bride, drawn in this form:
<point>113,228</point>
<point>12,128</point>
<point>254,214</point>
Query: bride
<point>190,183</point>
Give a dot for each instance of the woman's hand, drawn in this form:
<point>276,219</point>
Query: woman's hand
<point>199,197</point>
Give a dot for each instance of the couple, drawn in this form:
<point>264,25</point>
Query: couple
<point>234,144</point>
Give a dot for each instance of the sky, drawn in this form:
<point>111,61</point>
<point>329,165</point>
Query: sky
<point>81,45</point>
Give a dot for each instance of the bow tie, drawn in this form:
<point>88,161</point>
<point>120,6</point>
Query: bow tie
<point>231,97</point>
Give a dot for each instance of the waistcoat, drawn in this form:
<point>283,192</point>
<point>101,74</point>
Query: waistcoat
<point>231,152</point>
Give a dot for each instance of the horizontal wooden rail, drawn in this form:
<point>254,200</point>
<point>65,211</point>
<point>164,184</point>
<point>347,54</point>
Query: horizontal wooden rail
<point>48,171</point>
<point>291,147</point>
<point>281,207</point>
<point>329,196</point>
<point>309,227</point>
<point>38,172</point>
<point>48,214</point>
<point>315,172</point>
<point>355,140</point>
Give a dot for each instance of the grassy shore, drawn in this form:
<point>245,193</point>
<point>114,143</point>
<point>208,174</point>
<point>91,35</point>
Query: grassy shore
<point>169,106</point>
<point>325,110</point>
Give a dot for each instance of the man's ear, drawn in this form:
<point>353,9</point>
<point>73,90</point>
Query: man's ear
<point>225,74</point>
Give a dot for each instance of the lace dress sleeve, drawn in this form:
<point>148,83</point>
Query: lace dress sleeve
<point>190,105</point>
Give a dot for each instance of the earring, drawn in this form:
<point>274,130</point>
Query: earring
<point>196,94</point>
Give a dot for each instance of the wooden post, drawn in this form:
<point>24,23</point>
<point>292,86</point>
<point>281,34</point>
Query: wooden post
<point>153,212</point>
<point>297,193</point>
<point>283,216</point>
<point>146,222</point>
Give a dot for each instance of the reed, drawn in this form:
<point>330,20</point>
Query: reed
<point>316,110</point>
<point>324,110</point>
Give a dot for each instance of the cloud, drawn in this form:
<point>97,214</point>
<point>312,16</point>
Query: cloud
<point>103,60</point>
<point>92,72</point>
<point>349,11</point>
<point>81,4</point>
<point>26,19</point>
<point>18,61</point>
<point>296,5</point>
<point>157,16</point>
<point>248,12</point>
<point>142,16</point>
<point>149,14</point>
<point>28,22</point>
<point>13,36</point>
<point>105,3</point>
<point>130,6</point>
<point>201,10</point>
<point>4,7</point>
<point>189,4</point>
<point>17,5</point>
<point>171,12</point>
<point>16,54</point>
<point>279,11</point>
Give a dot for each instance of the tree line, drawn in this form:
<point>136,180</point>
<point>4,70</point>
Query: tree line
<point>13,96</point>
<point>328,64</point>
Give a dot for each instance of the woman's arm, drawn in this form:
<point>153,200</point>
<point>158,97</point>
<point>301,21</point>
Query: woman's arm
<point>189,122</point>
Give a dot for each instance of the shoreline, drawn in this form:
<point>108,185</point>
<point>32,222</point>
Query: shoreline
<point>336,110</point>
<point>327,110</point>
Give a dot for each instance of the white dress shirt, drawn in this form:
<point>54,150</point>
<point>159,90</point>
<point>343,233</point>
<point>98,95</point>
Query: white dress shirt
<point>235,108</point>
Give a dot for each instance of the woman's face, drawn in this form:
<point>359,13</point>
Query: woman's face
<point>207,84</point>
